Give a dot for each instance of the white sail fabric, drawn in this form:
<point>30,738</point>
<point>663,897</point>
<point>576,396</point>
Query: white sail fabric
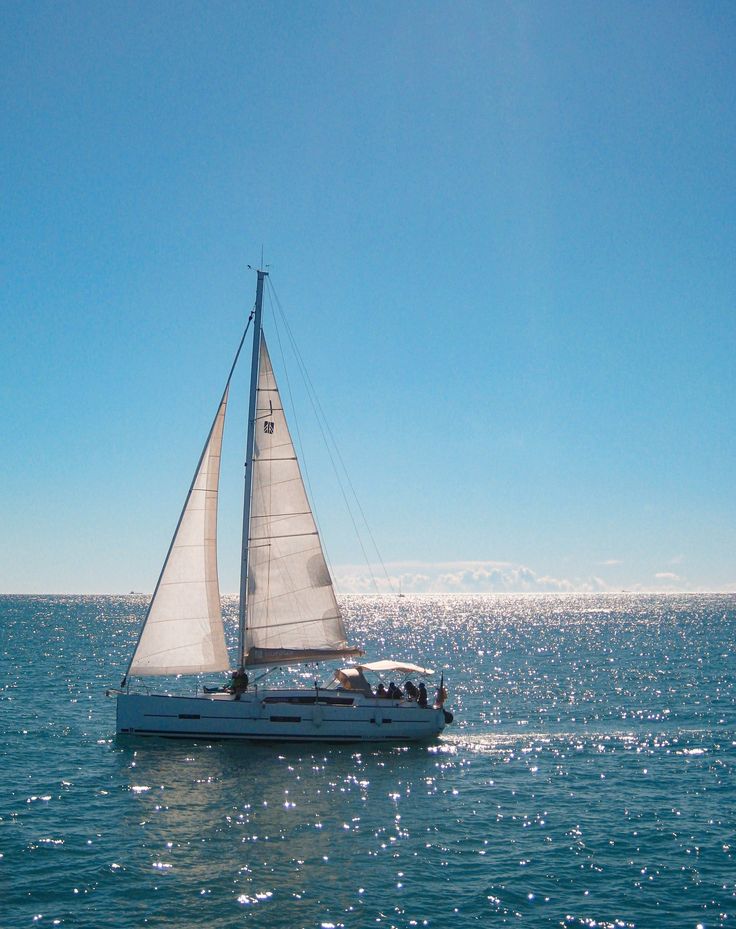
<point>183,632</point>
<point>292,613</point>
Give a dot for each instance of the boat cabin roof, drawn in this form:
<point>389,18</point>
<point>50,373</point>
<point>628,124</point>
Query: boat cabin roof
<point>353,679</point>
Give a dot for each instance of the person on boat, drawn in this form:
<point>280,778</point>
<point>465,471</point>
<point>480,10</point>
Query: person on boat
<point>422,698</point>
<point>239,683</point>
<point>381,690</point>
<point>411,691</point>
<point>441,695</point>
<point>393,692</point>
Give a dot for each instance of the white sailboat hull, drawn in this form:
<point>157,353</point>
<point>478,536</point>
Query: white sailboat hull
<point>278,715</point>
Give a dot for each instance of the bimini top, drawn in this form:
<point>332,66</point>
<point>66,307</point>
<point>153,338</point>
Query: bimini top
<point>402,667</point>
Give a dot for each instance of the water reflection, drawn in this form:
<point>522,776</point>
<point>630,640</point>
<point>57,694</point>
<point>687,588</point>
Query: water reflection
<point>259,820</point>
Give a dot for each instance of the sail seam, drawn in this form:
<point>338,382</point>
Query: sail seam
<point>282,515</point>
<point>176,648</point>
<point>288,535</point>
<point>191,545</point>
<point>296,622</point>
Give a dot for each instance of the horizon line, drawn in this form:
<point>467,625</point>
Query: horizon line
<point>426,593</point>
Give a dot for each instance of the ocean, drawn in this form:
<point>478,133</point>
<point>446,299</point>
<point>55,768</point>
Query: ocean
<point>589,778</point>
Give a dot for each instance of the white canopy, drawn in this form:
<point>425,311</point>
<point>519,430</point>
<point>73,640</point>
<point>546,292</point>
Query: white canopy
<point>401,667</point>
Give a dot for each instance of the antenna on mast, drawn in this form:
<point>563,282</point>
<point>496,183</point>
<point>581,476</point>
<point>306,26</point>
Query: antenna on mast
<point>261,266</point>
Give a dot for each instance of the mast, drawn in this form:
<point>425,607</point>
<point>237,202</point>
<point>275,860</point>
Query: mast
<point>249,465</point>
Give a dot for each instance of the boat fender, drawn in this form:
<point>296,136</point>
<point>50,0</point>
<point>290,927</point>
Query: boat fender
<point>318,715</point>
<point>448,716</point>
<point>378,717</point>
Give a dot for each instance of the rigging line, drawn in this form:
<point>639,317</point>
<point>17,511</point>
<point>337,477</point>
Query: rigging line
<point>312,394</point>
<point>295,420</point>
<point>320,412</point>
<point>322,422</point>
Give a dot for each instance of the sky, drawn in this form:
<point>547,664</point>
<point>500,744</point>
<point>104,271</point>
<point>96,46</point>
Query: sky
<point>502,234</point>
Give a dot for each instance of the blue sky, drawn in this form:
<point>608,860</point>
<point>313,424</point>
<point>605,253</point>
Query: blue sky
<point>503,234</point>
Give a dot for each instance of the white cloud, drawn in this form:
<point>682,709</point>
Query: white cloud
<point>667,576</point>
<point>458,577</point>
<point>609,562</point>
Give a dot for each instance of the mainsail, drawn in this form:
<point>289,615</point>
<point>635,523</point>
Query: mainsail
<point>183,632</point>
<point>292,613</point>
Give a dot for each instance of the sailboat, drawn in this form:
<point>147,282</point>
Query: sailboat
<point>288,611</point>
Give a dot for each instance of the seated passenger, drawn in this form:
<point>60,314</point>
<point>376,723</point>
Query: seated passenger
<point>381,690</point>
<point>239,683</point>
<point>422,699</point>
<point>393,692</point>
<point>410,690</point>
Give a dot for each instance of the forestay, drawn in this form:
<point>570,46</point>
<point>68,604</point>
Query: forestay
<point>292,613</point>
<point>183,632</point>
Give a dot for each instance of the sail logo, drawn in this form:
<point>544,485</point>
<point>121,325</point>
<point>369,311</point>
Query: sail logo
<point>268,426</point>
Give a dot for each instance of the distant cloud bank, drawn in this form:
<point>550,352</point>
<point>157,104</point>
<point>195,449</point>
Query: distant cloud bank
<point>458,577</point>
<point>449,577</point>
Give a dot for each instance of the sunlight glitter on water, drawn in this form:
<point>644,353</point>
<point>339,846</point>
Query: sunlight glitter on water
<point>588,778</point>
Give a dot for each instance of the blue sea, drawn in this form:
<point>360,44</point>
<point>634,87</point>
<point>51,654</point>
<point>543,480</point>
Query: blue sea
<point>589,778</point>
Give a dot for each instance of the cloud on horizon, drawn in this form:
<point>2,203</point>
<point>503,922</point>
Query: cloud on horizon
<point>458,577</point>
